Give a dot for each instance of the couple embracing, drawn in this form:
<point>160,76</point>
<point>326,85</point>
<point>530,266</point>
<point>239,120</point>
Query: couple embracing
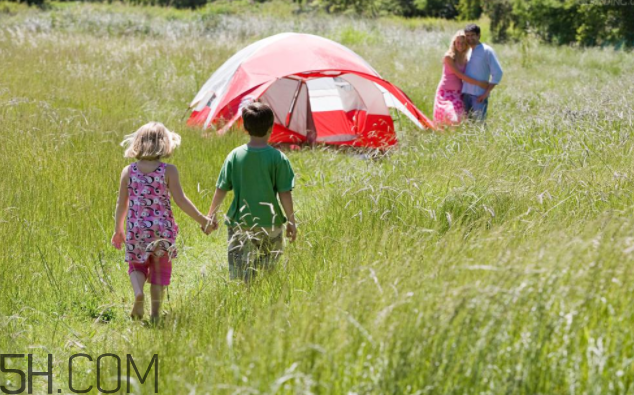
<point>470,71</point>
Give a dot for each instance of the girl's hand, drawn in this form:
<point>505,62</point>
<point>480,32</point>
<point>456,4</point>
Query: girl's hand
<point>211,225</point>
<point>117,239</point>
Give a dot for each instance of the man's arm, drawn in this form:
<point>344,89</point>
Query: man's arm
<point>486,93</point>
<point>496,74</point>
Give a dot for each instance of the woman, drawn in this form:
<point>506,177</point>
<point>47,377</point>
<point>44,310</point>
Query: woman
<point>448,106</point>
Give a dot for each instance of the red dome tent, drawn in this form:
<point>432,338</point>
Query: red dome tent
<point>317,88</point>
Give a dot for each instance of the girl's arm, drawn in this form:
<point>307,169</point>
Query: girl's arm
<point>118,238</point>
<point>182,201</point>
<point>286,198</point>
<point>452,65</point>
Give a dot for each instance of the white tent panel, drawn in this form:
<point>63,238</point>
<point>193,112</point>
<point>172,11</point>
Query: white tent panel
<point>349,96</point>
<point>300,110</point>
<point>279,97</point>
<point>324,95</point>
<point>334,94</point>
<point>393,102</point>
<point>372,97</point>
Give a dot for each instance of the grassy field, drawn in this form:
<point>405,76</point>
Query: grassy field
<point>485,260</point>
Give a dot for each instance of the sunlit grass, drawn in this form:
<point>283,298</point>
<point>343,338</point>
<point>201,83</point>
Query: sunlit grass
<point>482,260</point>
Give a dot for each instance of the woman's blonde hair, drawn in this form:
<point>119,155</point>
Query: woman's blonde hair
<point>152,141</point>
<point>452,53</point>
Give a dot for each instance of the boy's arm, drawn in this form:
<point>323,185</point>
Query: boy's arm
<point>219,196</point>
<point>286,198</point>
<point>122,207</point>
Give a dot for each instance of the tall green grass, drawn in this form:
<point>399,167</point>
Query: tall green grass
<point>484,260</point>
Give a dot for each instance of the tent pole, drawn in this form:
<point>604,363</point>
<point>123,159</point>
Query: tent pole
<point>290,110</point>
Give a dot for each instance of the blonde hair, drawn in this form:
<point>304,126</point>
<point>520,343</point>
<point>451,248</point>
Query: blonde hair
<point>151,141</point>
<point>455,55</point>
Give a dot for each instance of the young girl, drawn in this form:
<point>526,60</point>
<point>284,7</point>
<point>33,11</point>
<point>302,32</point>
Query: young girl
<point>144,193</point>
<point>448,106</point>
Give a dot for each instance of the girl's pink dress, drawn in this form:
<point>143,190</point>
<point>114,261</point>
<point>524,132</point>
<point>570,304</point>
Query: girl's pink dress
<point>151,225</point>
<point>448,106</point>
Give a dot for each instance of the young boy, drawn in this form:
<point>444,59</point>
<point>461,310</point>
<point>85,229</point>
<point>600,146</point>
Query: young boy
<point>257,173</point>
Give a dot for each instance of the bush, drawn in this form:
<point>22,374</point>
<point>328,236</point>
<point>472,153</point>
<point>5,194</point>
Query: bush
<point>563,22</point>
<point>469,10</point>
<point>36,3</point>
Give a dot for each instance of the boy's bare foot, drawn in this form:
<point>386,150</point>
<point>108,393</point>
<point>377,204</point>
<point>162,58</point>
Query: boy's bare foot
<point>137,309</point>
<point>155,320</point>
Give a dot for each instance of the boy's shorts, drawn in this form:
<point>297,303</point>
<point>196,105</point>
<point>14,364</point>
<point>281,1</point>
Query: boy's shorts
<point>253,250</point>
<point>157,271</point>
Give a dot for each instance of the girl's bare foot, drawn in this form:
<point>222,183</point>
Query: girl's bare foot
<point>155,320</point>
<point>137,309</point>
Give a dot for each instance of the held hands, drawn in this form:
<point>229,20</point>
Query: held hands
<point>210,224</point>
<point>118,238</point>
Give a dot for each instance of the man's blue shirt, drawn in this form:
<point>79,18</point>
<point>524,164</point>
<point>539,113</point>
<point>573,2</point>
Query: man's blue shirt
<point>484,66</point>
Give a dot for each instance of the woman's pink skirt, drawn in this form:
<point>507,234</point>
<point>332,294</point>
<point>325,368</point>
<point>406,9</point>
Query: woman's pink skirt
<point>448,107</point>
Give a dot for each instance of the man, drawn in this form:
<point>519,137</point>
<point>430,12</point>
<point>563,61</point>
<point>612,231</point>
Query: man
<point>484,66</point>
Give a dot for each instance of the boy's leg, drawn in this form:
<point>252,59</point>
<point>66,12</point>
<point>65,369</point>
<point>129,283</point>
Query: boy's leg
<point>243,253</point>
<point>270,249</point>
<point>236,247</point>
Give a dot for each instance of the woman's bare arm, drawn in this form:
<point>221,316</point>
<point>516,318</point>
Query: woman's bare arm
<point>452,65</point>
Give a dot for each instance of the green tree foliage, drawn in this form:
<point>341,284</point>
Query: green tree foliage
<point>585,22</point>
<point>447,9</point>
<point>35,3</point>
<point>564,22</point>
<point>469,9</point>
<point>173,3</point>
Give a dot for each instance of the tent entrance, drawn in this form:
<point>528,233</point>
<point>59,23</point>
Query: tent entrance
<point>333,110</point>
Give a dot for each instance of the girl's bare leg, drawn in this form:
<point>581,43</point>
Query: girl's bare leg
<point>138,280</point>
<point>156,293</point>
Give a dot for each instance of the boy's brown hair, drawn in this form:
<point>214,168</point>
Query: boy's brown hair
<point>257,118</point>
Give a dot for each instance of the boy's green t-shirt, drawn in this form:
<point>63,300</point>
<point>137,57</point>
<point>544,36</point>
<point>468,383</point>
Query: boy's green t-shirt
<point>256,175</point>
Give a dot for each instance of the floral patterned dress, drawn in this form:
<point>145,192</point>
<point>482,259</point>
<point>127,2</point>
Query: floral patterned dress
<point>151,228</point>
<point>448,106</point>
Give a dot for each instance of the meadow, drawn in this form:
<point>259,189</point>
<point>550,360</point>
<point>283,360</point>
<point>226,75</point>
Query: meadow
<point>490,259</point>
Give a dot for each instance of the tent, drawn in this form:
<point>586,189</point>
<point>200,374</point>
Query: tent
<point>318,89</point>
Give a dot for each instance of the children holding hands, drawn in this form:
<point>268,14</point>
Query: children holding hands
<point>256,172</point>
